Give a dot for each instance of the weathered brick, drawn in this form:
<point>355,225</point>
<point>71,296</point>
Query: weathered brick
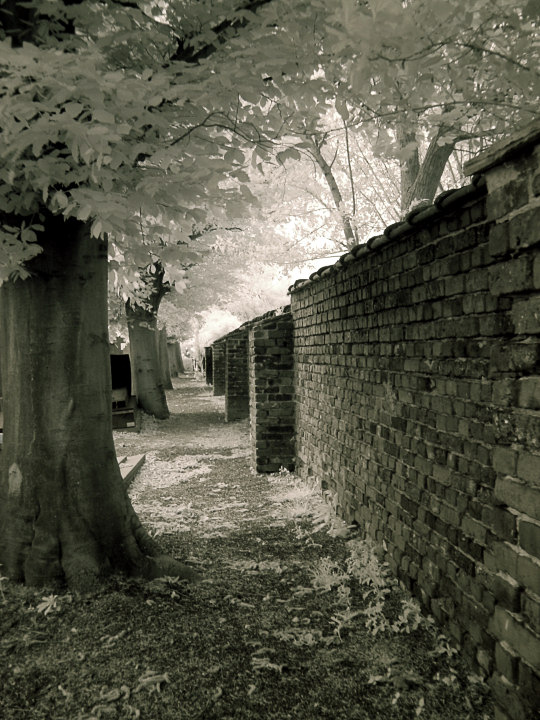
<point>529,535</point>
<point>504,392</point>
<point>524,230</point>
<point>518,495</point>
<point>529,684</point>
<point>503,523</point>
<point>511,276</point>
<point>507,661</point>
<point>528,469</point>
<point>530,609</point>
<point>505,460</point>
<point>508,627</point>
<point>502,200</point>
<point>526,315</point>
<point>529,393</point>
<point>511,560</point>
<point>508,704</point>
<point>499,239</point>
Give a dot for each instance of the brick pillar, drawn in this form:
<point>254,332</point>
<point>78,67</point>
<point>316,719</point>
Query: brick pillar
<point>272,393</point>
<point>218,366</point>
<point>208,365</point>
<point>236,376</point>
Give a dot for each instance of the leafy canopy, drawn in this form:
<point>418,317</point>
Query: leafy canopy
<point>143,117</point>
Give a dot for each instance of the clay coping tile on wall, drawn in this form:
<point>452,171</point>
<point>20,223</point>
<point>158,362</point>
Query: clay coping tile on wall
<point>419,215</point>
<point>283,310</point>
<point>504,149</point>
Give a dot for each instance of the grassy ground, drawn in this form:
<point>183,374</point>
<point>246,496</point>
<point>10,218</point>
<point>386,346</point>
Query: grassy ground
<point>294,618</point>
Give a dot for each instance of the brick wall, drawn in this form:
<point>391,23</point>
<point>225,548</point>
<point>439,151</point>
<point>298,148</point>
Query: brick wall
<point>417,377</point>
<point>218,366</point>
<point>271,393</point>
<point>236,375</point>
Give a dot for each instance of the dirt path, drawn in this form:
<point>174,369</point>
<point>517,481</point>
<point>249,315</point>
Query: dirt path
<point>281,609</point>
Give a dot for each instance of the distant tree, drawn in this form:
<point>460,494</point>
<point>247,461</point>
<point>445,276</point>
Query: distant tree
<point>145,342</point>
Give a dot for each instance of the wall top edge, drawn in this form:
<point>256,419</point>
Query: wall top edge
<point>504,149</point>
<point>420,215</point>
<point>283,310</point>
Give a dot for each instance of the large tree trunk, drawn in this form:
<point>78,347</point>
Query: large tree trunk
<point>430,172</point>
<point>409,165</point>
<point>65,515</point>
<point>143,344</point>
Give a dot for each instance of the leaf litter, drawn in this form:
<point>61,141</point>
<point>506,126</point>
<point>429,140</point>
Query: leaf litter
<point>296,617</point>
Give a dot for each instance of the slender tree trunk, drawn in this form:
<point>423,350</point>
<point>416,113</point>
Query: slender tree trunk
<point>348,231</point>
<point>142,328</point>
<point>163,357</point>
<point>65,516</point>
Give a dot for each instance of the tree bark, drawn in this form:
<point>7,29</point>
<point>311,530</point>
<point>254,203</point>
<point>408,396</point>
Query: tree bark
<point>180,362</point>
<point>163,357</point>
<point>409,165</point>
<point>348,231</point>
<point>143,344</point>
<point>430,172</point>
<point>65,516</point>
<point>173,363</point>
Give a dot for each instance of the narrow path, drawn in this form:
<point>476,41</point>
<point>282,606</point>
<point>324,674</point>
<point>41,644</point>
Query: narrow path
<point>278,627</point>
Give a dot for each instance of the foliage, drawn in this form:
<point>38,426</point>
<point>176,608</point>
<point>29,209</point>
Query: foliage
<point>151,120</point>
<point>105,124</point>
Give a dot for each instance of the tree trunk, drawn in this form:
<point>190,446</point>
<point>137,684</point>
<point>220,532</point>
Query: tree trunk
<point>409,165</point>
<point>178,354</point>
<point>65,516</point>
<point>142,328</point>
<point>348,231</point>
<point>163,357</point>
<point>144,341</point>
<point>430,172</point>
<point>173,363</point>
